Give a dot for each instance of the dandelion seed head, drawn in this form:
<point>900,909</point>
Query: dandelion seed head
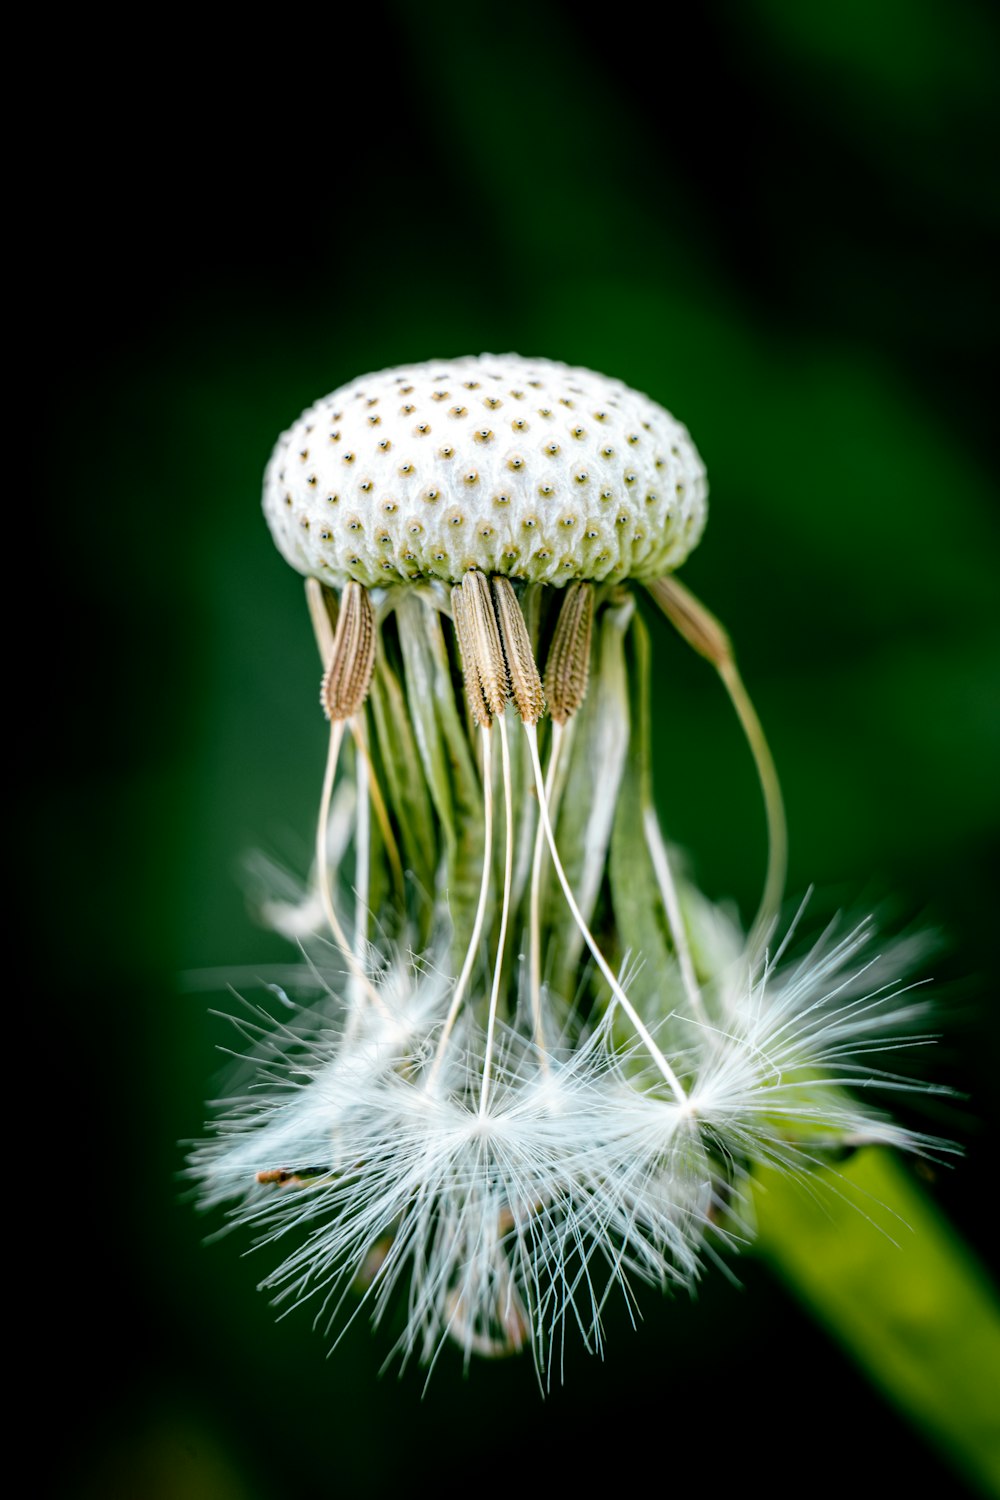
<point>498,1110</point>
<point>521,467</point>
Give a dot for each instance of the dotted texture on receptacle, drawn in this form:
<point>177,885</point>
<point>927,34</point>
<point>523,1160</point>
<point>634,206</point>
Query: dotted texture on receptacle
<point>524,467</point>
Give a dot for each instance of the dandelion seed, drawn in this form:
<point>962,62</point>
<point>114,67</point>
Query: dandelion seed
<point>502,1146</point>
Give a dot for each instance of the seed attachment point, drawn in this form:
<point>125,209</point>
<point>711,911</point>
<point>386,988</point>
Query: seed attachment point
<point>567,670</point>
<point>466,636</point>
<point>348,677</point>
<point>525,683</point>
<point>692,620</point>
<point>487,685</point>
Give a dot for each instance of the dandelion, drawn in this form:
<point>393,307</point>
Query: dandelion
<point>544,1065</point>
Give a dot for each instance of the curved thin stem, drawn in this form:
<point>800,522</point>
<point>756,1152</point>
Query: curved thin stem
<point>769,909</point>
<point>323,867</point>
<point>362,845</point>
<point>534,905</point>
<point>379,807</point>
<point>588,937</point>
<point>671,902</point>
<point>705,634</point>
<point>508,871</point>
<point>477,927</point>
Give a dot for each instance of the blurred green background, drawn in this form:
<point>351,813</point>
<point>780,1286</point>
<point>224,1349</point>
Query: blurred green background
<point>781,222</point>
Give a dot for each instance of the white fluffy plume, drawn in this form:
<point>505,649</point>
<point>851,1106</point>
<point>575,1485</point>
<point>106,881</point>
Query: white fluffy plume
<point>502,1223</point>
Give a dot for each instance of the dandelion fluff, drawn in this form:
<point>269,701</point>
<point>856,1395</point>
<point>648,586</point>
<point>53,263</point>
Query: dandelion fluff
<point>506,1113</point>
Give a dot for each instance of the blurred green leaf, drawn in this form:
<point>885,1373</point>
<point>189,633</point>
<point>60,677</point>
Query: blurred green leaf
<point>900,1291</point>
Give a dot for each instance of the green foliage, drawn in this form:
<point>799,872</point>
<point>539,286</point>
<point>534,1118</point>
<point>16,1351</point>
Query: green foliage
<point>897,1287</point>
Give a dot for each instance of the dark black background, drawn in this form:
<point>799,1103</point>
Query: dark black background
<point>781,222</point>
